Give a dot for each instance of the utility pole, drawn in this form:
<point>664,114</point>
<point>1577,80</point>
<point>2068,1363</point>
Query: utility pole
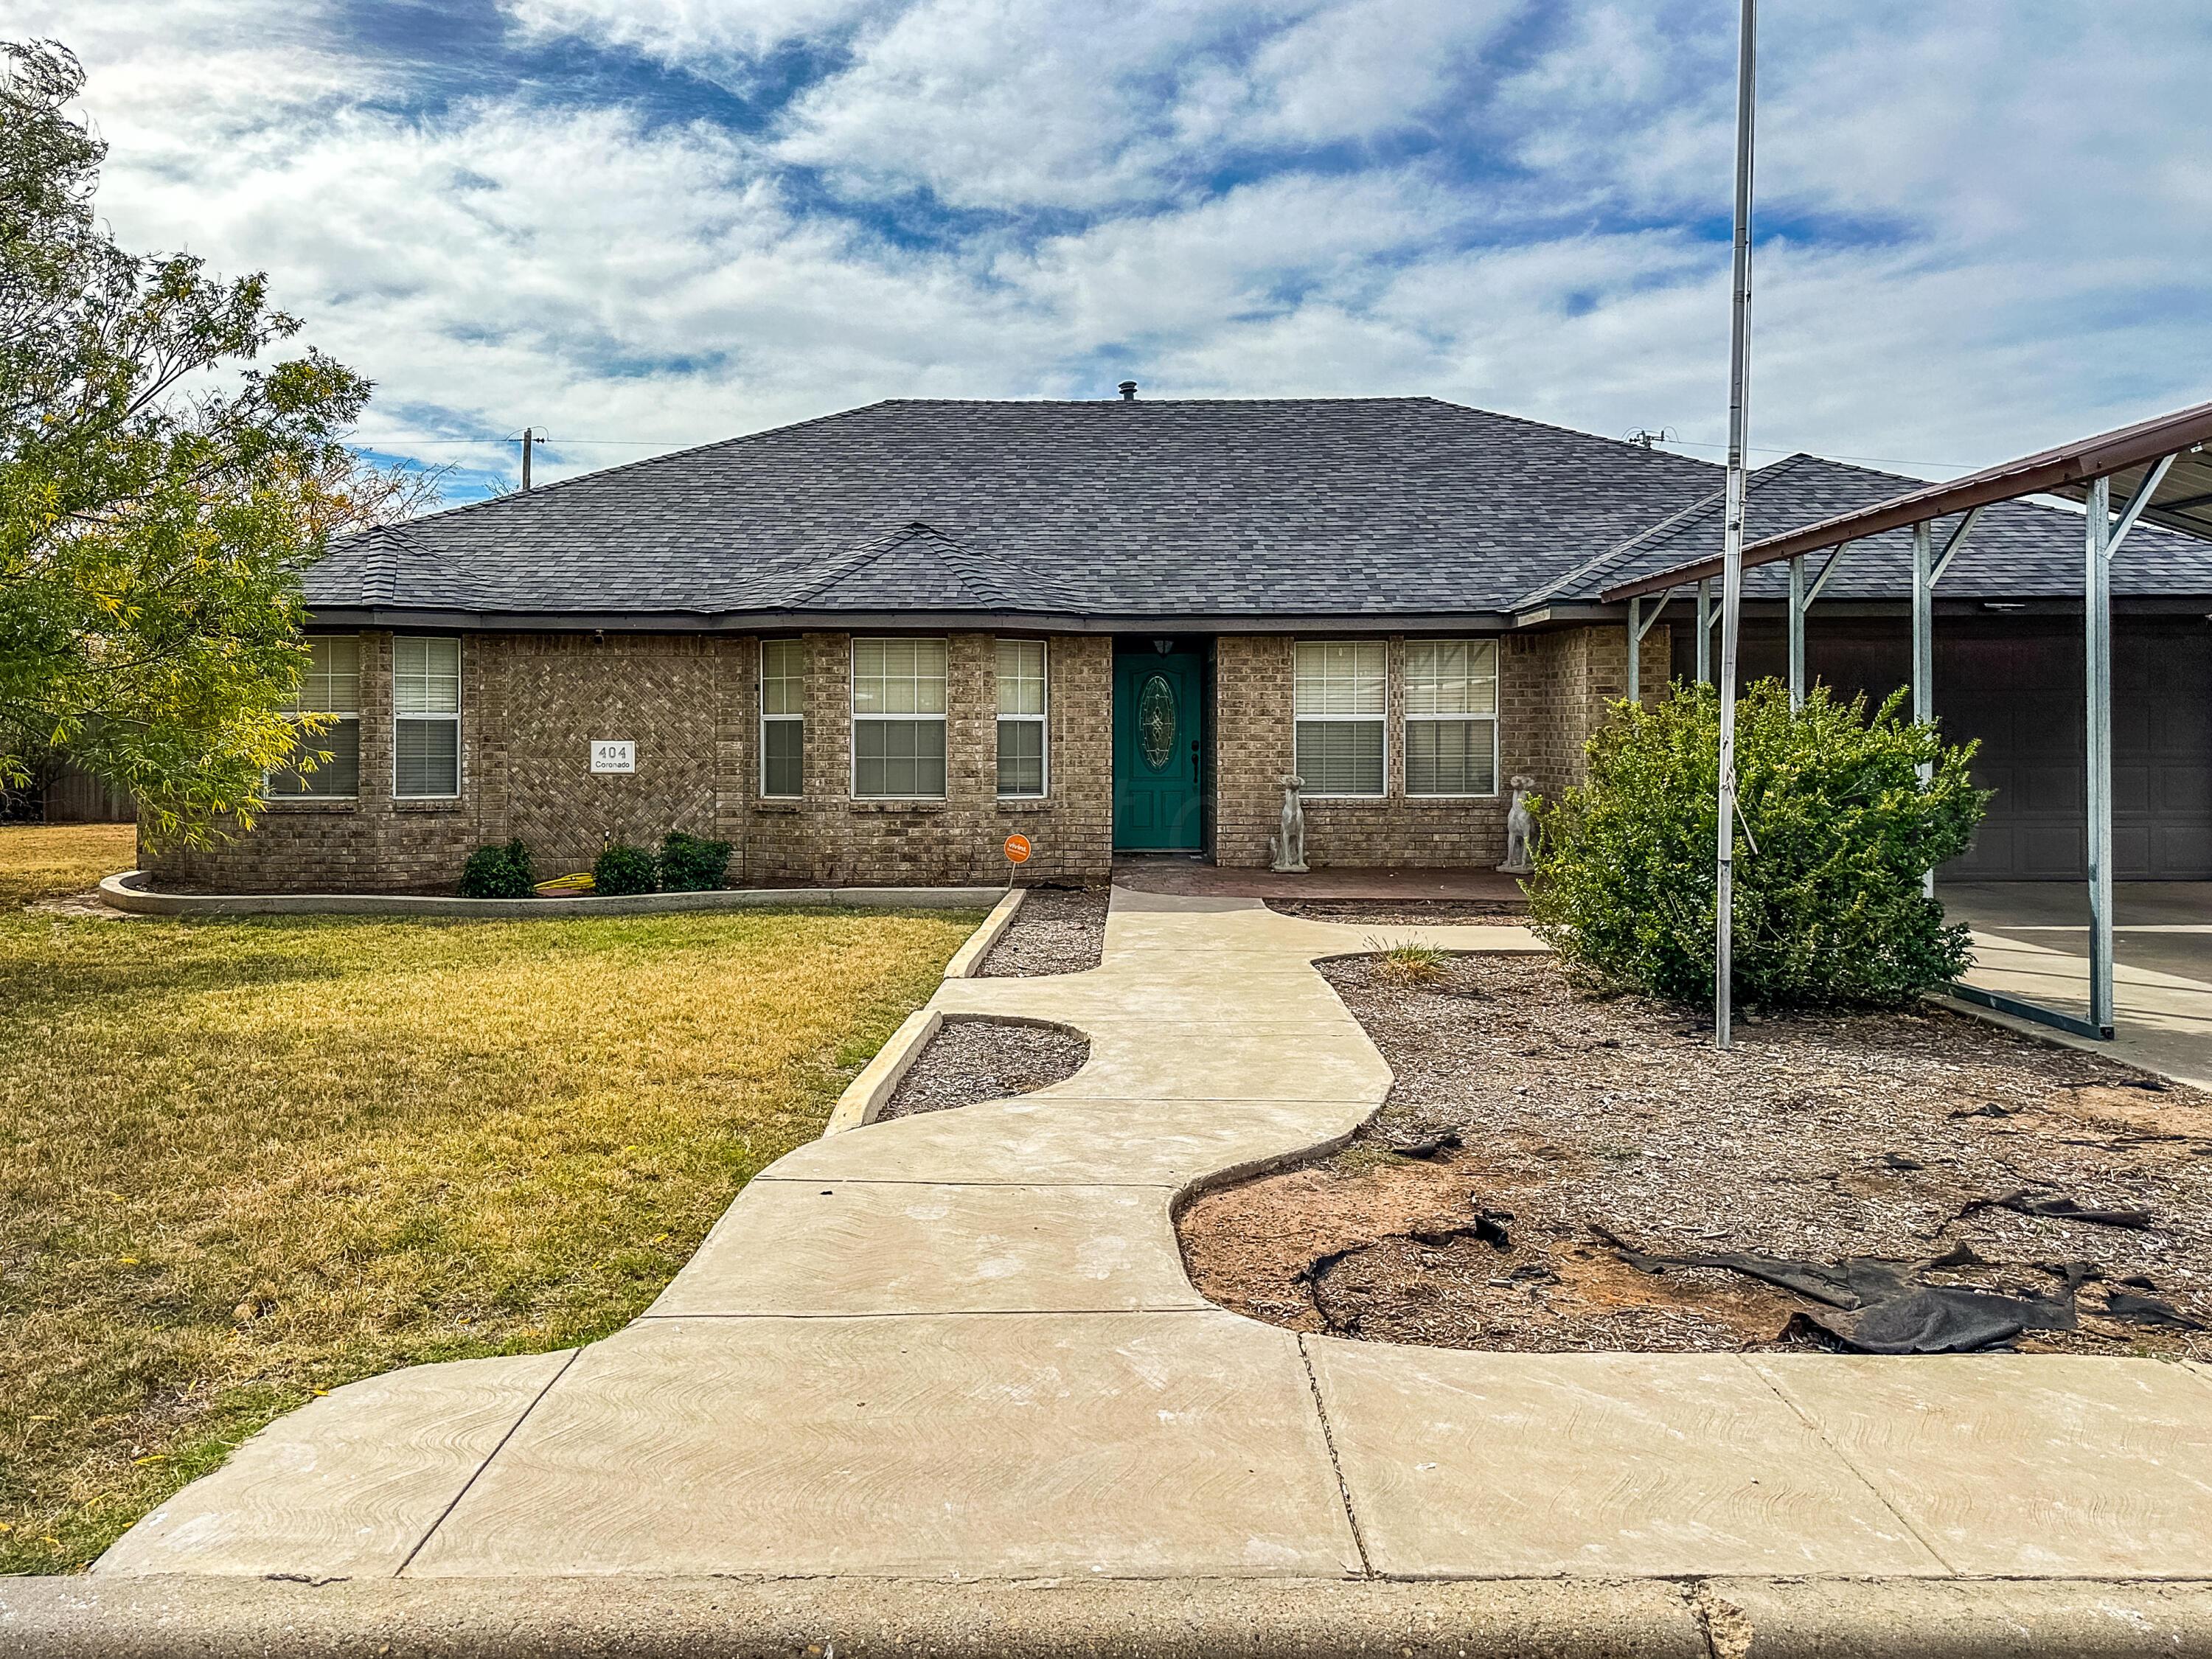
<point>531,437</point>
<point>1732,530</point>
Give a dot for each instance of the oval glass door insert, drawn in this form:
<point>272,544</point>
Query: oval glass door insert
<point>1156,721</point>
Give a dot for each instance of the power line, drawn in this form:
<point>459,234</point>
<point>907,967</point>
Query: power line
<point>1868,460</point>
<point>515,437</point>
<point>677,443</point>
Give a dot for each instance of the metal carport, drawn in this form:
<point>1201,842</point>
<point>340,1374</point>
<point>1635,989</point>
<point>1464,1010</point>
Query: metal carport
<point>2159,471</point>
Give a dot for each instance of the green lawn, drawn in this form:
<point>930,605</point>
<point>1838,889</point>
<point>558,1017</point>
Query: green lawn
<point>244,1161</point>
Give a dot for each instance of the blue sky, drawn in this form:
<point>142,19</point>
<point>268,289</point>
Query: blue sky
<point>638,224</point>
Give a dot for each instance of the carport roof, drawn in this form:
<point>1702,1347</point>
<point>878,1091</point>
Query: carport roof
<point>2182,508</point>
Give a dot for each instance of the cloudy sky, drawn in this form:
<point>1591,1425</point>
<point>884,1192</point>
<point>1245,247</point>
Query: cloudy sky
<point>1984,225</point>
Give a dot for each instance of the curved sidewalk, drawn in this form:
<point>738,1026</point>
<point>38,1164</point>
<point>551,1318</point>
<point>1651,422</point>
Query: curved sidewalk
<point>963,1346</point>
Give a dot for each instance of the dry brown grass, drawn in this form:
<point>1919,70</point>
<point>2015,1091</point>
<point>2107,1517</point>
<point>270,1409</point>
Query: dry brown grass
<point>38,860</point>
<point>244,1161</point>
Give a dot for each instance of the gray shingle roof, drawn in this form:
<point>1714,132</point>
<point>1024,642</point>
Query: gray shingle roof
<point>1154,508</point>
<point>2018,550</point>
<point>1351,508</point>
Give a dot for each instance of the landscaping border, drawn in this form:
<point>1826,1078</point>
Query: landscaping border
<point>967,961</point>
<point>879,1078</point>
<point>184,1618</point>
<point>128,891</point>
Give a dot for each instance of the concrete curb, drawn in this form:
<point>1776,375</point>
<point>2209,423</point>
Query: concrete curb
<point>968,960</point>
<point>1163,1619</point>
<point>127,892</point>
<point>865,1095</point>
<point>2115,1051</point>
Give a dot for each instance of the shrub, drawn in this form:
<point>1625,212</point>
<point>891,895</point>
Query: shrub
<point>1836,831</point>
<point>1406,967</point>
<point>691,864</point>
<point>498,871</point>
<point>620,869</point>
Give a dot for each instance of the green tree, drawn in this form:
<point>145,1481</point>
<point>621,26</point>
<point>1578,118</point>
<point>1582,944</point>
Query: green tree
<point>1837,829</point>
<point>161,489</point>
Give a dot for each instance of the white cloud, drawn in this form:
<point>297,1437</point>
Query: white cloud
<point>1983,235</point>
<point>709,34</point>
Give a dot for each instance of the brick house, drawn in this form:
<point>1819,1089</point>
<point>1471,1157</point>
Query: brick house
<point>866,649</point>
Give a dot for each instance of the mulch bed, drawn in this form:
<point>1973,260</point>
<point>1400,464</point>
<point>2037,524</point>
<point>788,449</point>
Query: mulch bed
<point>976,1060</point>
<point>1058,930</point>
<point>1538,1143</point>
<point>1430,913</point>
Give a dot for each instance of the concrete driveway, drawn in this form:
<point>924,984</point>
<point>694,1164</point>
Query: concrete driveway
<point>2032,940</point>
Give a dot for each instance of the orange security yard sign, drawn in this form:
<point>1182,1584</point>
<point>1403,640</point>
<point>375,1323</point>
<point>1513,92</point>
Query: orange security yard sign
<point>1017,849</point>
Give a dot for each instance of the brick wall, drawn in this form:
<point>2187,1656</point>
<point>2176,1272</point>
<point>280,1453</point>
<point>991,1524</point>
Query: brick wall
<point>532,703</point>
<point>1554,689</point>
<point>662,692</point>
<point>830,839</point>
<point>373,843</point>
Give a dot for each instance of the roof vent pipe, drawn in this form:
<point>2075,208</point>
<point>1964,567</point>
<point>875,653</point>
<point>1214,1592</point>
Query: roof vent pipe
<point>1128,392</point>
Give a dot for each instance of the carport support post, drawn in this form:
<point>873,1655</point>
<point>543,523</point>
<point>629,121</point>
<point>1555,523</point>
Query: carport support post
<point>1797,631</point>
<point>1705,633</point>
<point>2097,642</point>
<point>1635,650</point>
<point>1924,649</point>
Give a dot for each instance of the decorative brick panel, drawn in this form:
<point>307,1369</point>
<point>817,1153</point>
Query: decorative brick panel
<point>662,692</point>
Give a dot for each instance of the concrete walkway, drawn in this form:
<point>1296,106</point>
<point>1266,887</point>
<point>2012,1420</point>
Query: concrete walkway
<point>963,1346</point>
<point>2032,941</point>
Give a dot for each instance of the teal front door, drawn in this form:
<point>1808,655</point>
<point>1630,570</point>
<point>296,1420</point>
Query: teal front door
<point>1155,751</point>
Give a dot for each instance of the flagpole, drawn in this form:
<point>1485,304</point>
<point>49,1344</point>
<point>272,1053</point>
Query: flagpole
<point>1732,528</point>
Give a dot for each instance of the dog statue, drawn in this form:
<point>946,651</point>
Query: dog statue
<point>1520,829</point>
<point>1288,846</point>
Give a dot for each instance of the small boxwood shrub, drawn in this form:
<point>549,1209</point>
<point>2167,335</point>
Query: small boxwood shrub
<point>623,869</point>
<point>692,864</point>
<point>1840,829</point>
<point>498,871</point>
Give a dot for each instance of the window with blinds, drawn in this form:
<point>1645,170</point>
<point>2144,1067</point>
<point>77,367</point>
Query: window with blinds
<point>426,717</point>
<point>1451,717</point>
<point>898,718</point>
<point>1021,718</point>
<point>1339,689</point>
<point>783,718</point>
<point>331,687</point>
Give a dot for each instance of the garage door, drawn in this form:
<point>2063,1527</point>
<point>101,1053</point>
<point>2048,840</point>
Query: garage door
<point>2021,694</point>
<point>2016,686</point>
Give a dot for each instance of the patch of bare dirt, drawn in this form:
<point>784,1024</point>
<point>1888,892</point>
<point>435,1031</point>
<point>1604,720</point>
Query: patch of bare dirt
<point>1058,930</point>
<point>1531,1128</point>
<point>976,1059</point>
<point>82,907</point>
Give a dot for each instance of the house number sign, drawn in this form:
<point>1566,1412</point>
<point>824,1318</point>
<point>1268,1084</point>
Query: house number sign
<point>609,755</point>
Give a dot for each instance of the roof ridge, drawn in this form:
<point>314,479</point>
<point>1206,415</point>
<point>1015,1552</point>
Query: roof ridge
<point>1618,550</point>
<point>856,559</point>
<point>1146,403</point>
<point>1572,432</point>
<point>964,556</point>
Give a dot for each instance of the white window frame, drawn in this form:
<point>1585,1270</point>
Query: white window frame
<point>855,717</point>
<point>1495,716</point>
<point>303,797</point>
<point>460,701</point>
<point>1381,718</point>
<point>1041,720</point>
<point>760,692</point>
